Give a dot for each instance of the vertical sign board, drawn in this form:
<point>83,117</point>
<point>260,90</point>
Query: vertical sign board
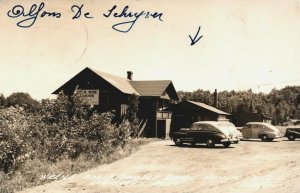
<point>90,96</point>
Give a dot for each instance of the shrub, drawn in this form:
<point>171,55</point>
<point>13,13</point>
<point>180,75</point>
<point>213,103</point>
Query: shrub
<point>2,100</point>
<point>63,128</point>
<point>14,138</point>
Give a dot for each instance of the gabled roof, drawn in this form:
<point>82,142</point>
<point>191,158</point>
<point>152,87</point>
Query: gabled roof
<point>210,108</point>
<point>151,87</point>
<point>120,83</point>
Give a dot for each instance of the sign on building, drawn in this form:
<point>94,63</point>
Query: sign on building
<point>91,97</point>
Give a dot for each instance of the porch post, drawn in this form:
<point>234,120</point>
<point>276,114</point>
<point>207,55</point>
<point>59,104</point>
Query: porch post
<point>156,106</point>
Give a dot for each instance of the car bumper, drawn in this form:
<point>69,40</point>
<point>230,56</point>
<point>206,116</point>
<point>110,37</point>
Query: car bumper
<point>229,140</point>
<point>278,136</point>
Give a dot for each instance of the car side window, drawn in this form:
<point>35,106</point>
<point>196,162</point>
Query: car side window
<point>194,127</point>
<point>197,127</point>
<point>210,128</point>
<point>267,128</point>
<point>254,126</point>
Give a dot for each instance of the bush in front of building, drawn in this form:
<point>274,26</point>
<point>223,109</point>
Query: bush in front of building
<point>64,136</point>
<point>15,137</point>
<point>64,128</point>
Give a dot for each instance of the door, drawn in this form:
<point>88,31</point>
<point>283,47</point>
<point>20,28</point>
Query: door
<point>195,132</point>
<point>161,129</point>
<point>256,129</point>
<point>246,131</point>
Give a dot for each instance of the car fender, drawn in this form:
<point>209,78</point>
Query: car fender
<point>178,134</point>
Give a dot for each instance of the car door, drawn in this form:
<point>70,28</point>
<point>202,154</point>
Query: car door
<point>196,133</point>
<point>246,131</point>
<point>193,132</point>
<point>256,129</point>
<point>205,133</point>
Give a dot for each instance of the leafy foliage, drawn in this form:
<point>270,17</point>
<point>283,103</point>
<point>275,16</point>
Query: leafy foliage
<point>63,128</point>
<point>23,100</point>
<point>280,104</point>
<point>133,107</point>
<point>15,132</point>
<point>2,100</point>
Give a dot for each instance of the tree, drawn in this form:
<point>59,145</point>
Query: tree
<point>24,100</point>
<point>2,100</point>
<point>297,100</point>
<point>133,108</point>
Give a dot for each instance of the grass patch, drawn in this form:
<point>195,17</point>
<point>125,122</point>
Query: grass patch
<point>37,172</point>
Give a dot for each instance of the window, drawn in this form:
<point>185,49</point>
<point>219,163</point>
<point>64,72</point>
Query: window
<point>197,127</point>
<point>211,128</point>
<point>247,126</point>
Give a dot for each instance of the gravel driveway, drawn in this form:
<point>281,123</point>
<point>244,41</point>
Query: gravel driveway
<point>250,166</point>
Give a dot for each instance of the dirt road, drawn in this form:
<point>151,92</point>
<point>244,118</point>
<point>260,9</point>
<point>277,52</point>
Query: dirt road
<point>251,166</point>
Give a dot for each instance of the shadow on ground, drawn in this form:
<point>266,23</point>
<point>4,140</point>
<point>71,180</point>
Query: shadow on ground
<point>217,146</point>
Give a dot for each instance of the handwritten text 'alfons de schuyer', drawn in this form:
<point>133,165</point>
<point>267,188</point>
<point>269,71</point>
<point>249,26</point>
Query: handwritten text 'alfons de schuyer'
<point>27,16</point>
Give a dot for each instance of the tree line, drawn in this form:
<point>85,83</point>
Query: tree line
<point>280,104</point>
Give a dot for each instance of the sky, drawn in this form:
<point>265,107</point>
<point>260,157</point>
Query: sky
<point>244,45</point>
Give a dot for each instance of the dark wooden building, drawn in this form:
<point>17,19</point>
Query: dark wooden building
<point>240,119</point>
<point>107,92</point>
<point>187,112</point>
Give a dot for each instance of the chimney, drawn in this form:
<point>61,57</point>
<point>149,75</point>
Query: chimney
<point>216,98</point>
<point>129,75</point>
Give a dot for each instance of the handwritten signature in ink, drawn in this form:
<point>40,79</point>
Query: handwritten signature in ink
<point>128,14</point>
<point>29,17</point>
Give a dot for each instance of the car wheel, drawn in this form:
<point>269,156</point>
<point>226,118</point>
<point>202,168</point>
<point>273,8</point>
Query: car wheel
<point>291,137</point>
<point>264,137</point>
<point>177,142</point>
<point>226,144</point>
<point>210,143</point>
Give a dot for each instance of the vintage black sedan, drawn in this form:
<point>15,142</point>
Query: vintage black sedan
<point>292,133</point>
<point>209,132</point>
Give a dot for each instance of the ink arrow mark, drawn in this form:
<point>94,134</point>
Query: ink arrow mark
<point>195,39</point>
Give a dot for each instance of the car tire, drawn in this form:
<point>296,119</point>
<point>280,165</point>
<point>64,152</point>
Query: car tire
<point>227,144</point>
<point>210,143</point>
<point>264,137</point>
<point>177,142</point>
<point>291,137</point>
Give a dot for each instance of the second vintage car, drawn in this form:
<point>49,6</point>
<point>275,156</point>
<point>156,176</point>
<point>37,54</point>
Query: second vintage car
<point>260,130</point>
<point>209,132</point>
